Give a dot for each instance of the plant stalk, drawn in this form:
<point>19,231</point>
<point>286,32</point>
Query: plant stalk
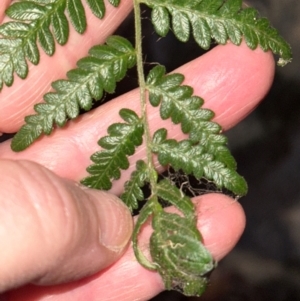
<point>143,97</point>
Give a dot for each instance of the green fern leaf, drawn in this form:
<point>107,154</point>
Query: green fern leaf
<point>132,188</point>
<point>77,15</point>
<point>32,22</point>
<point>60,25</point>
<point>26,11</point>
<point>194,159</point>
<point>97,7</point>
<point>121,142</point>
<point>27,135</point>
<point>19,63</point>
<point>220,20</point>
<point>46,39</point>
<point>181,258</point>
<point>7,66</point>
<point>31,52</point>
<point>96,73</point>
<point>14,29</point>
<point>161,20</point>
<point>181,25</point>
<point>180,155</point>
<point>178,103</point>
<point>224,177</point>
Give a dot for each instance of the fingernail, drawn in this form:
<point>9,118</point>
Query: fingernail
<point>115,220</point>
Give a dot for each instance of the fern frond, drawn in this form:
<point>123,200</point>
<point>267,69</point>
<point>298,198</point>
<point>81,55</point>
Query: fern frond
<point>105,65</point>
<point>121,142</point>
<point>193,159</point>
<point>132,188</point>
<point>42,21</point>
<point>178,103</point>
<point>177,249</point>
<point>221,20</point>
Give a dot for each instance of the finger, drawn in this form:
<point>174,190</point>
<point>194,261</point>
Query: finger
<point>52,230</point>
<point>18,100</point>
<point>221,222</point>
<point>4,5</point>
<point>231,79</point>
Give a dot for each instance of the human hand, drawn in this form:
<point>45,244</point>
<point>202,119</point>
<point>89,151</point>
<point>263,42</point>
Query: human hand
<point>50,226</point>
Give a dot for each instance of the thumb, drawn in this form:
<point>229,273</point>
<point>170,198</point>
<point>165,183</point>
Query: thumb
<point>52,230</point>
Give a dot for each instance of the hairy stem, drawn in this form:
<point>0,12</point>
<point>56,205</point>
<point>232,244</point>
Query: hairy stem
<point>143,97</point>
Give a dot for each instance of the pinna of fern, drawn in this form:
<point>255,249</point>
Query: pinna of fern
<point>43,23</point>
<point>100,71</point>
<point>218,20</point>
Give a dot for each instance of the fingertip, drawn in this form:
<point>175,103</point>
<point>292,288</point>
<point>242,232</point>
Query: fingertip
<point>221,221</point>
<point>101,230</point>
<point>115,221</point>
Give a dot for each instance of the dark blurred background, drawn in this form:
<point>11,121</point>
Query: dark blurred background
<point>265,265</point>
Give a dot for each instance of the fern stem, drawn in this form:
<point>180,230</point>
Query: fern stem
<point>143,97</point>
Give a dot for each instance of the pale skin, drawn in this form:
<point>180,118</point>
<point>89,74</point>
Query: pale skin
<point>75,240</point>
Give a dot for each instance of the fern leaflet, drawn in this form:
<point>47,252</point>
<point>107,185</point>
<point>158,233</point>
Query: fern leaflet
<point>132,188</point>
<point>181,258</point>
<point>177,102</point>
<point>106,65</point>
<point>120,143</point>
<point>32,22</point>
<point>220,20</point>
<point>193,159</point>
